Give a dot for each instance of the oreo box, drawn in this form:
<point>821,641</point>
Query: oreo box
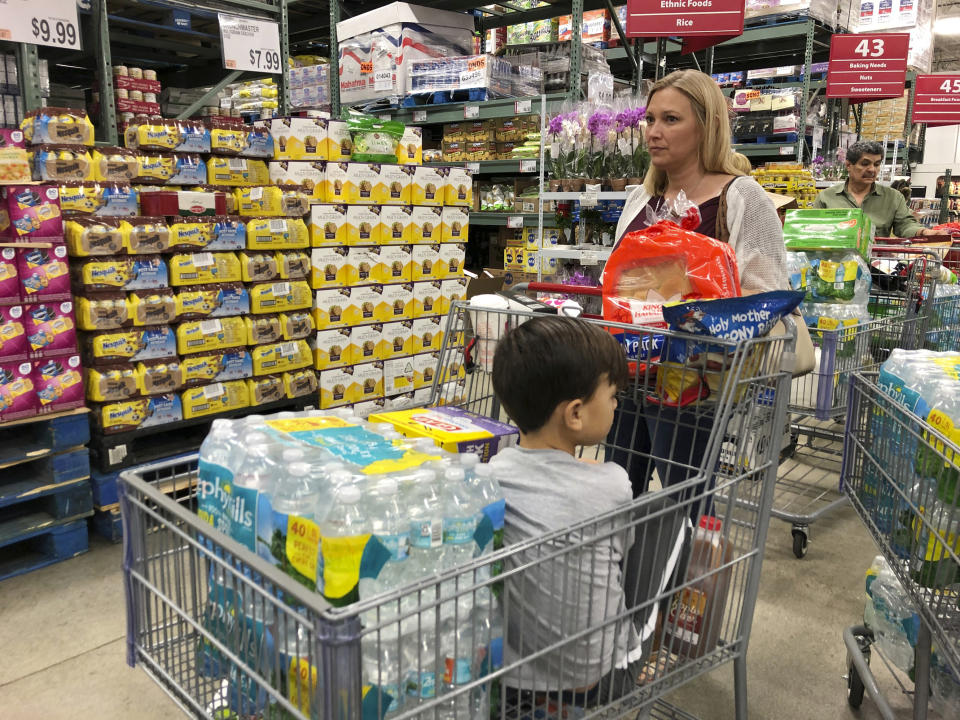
<point>44,273</point>
<point>13,336</point>
<point>9,277</point>
<point>58,383</point>
<point>453,429</point>
<point>34,212</point>
<point>51,330</point>
<point>18,399</point>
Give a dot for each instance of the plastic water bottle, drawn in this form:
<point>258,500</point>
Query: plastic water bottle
<point>485,483</point>
<point>256,472</point>
<point>461,514</point>
<point>294,497</point>
<point>217,455</point>
<point>340,542</point>
<point>381,665</point>
<point>426,525</point>
<point>892,614</point>
<point>256,647</point>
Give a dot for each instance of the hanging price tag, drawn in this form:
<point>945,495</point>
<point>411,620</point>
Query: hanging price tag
<point>521,107</point>
<point>471,79</point>
<point>515,221</point>
<point>590,198</point>
<point>787,150</point>
<point>528,166</point>
<point>383,79</point>
<point>41,22</point>
<point>473,167</point>
<point>419,116</point>
<point>471,111</point>
<point>592,257</point>
<point>249,44</point>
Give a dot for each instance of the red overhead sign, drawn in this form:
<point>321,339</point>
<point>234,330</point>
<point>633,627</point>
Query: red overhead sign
<point>936,100</point>
<point>868,67</point>
<point>701,22</point>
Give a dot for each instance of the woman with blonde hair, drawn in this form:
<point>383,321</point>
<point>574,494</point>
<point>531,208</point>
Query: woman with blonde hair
<point>688,137</point>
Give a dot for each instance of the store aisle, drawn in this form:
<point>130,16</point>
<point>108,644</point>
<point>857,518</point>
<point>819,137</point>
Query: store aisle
<point>61,630</point>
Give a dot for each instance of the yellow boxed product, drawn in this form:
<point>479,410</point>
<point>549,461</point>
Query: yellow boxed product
<point>427,185</point>
<point>110,384</point>
<point>452,259</point>
<point>236,172</point>
<point>361,264</point>
<point>300,383</point>
<point>395,225</point>
<point>254,201</point>
<point>396,303</point>
<point>365,183</point>
<point>308,176</point>
<point>332,348</point>
<point>258,266</point>
<point>368,298</point>
<point>424,368</point>
<point>367,382</point>
<point>427,298</point>
<point>197,234</point>
<point>453,429</point>
<point>277,233</point>
<point>456,221</point>
<point>140,412</point>
<point>204,267</point>
<point>330,268</point>
<point>451,291</point>
<point>195,336</point>
<point>339,142</point>
<point>366,343</point>
<point>512,258</point>
<point>363,225</point>
<point>262,329</point>
<point>281,357</point>
<point>293,264</point>
<point>328,225</point>
<point>428,333</point>
<point>425,258</point>
<point>395,264</point>
<point>150,307</point>
<point>395,181</point>
<point>215,398</point>
<point>102,312</point>
<point>336,189</point>
<point>459,187</point>
<point>265,389</point>
<point>296,325</point>
<point>397,339</point>
<point>335,387</point>
<point>299,138</point>
<point>410,148</point>
<point>397,376</point>
<point>426,225</point>
<point>280,297</point>
<point>335,307</point>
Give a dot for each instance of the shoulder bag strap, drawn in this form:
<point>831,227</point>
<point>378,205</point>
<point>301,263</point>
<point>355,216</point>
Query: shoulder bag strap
<point>723,230</point>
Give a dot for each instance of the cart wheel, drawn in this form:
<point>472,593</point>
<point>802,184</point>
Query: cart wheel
<point>800,543</point>
<point>854,688</point>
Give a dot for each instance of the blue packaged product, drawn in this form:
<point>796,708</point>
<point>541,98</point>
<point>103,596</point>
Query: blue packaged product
<point>228,233</point>
<point>189,170</point>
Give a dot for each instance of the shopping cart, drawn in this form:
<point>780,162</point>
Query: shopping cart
<point>885,446</point>
<point>807,483</point>
<point>228,635</point>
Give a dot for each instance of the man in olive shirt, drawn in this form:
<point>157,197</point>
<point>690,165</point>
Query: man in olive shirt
<point>886,207</point>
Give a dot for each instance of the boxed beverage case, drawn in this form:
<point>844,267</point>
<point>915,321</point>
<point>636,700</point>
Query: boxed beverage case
<point>308,176</point>
<point>367,382</point>
<point>426,225</point>
<point>459,187</point>
<point>366,344</point>
<point>217,366</point>
<point>396,225</point>
<point>9,277</point>
<point>335,387</point>
<point>363,225</point>
<point>43,273</point>
<point>330,268</point>
<point>138,413</point>
<point>32,211</point>
<point>428,185</point>
<point>396,303</point>
<point>427,298</point>
<point>425,258</point>
<point>300,383</point>
<point>453,429</point>
<point>50,329</point>
<point>395,184</point>
<point>365,183</point>
<point>299,138</point>
<point>332,348</point>
<point>397,340</point>
<point>451,261</point>
<point>339,142</point>
<point>265,389</point>
<point>335,307</point>
<point>395,264</point>
<point>455,225</point>
<point>215,398</point>
<point>451,291</point>
<point>18,397</point>
<point>336,188</point>
<point>13,334</point>
<point>428,334</point>
<point>410,148</point>
<point>58,383</point>
<point>328,225</point>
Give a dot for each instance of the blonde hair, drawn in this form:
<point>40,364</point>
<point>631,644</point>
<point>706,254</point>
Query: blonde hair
<point>742,162</point>
<point>710,108</point>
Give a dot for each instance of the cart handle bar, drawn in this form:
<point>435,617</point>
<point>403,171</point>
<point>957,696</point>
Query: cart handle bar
<point>559,288</point>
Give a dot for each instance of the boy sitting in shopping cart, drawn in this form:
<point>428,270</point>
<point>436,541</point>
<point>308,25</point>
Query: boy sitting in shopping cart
<point>589,589</point>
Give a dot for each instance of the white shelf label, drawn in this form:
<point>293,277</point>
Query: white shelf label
<point>471,111</point>
<point>282,288</point>
<point>419,116</point>
<point>250,44</point>
<point>210,327</point>
<point>528,166</point>
<point>520,107</point>
<point>590,198</point>
<point>473,167</point>
<point>383,79</point>
<point>514,221</point>
<point>213,391</point>
<point>787,150</point>
<point>41,22</point>
<point>592,257</point>
<point>204,259</point>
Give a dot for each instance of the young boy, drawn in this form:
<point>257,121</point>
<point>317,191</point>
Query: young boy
<point>558,378</point>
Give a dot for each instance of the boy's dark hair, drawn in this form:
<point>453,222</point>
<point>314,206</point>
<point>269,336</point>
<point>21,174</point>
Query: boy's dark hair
<point>552,359</point>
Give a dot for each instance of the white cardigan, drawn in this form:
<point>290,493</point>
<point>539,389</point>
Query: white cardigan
<point>756,233</point>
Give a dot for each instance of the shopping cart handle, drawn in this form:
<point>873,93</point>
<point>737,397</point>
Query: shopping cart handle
<point>558,288</point>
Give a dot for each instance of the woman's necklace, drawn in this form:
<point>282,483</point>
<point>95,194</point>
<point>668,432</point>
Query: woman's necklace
<point>671,204</point>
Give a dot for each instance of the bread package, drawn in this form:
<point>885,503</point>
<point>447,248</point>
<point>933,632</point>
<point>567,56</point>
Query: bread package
<point>106,311</point>
<point>258,266</point>
<point>215,398</point>
<point>62,163</point>
<point>262,329</point>
<point>89,236</point>
<point>300,383</point>
<point>293,265</point>
<point>114,164</point>
<point>146,235</point>
<point>216,366</point>
<point>111,383</point>
<point>150,343</point>
<point>159,376</point>
<point>57,125</point>
<point>138,272</point>
<point>197,336</point>
<point>296,325</point>
<point>266,389</point>
<point>151,307</point>
<point>137,413</point>
<point>204,267</point>
<point>207,301</point>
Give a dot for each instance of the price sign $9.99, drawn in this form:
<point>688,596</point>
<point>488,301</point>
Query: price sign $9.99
<point>41,22</point>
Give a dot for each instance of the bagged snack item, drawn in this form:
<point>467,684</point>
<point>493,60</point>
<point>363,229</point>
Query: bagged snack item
<point>114,164</point>
<point>828,229</point>
<point>81,198</point>
<point>137,272</point>
<point>293,265</point>
<point>138,413</point>
<point>280,296</point>
<point>57,125</point>
<point>259,143</point>
<point>228,136</point>
<point>296,325</point>
<point>152,307</point>
<point>107,311</point>
<point>218,366</point>
<point>209,301</point>
<point>150,343</point>
<point>197,336</point>
<point>30,212</point>
<point>167,135</point>
<point>88,236</point>
<point>663,263</point>
<point>62,163</point>
<point>300,383</point>
<point>51,329</point>
<point>277,234</point>
<point>58,383</point>
<point>44,274</point>
<point>188,233</point>
<point>145,235</point>
<point>159,376</point>
<point>262,329</point>
<point>205,267</point>
<point>13,335</point>
<point>265,389</point>
<point>374,140</point>
<point>111,383</point>
<point>258,266</point>
<point>215,398</point>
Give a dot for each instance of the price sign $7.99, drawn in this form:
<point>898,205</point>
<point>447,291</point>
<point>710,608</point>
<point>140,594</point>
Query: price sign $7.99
<point>265,59</point>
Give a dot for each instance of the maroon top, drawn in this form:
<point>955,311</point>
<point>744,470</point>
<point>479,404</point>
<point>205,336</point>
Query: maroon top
<point>708,216</point>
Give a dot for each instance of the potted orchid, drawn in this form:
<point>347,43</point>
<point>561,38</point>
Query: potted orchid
<point>599,124</point>
<point>630,142</point>
<point>567,161</point>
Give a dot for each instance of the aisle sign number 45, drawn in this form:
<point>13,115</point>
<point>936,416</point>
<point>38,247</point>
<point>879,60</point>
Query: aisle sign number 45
<point>40,22</point>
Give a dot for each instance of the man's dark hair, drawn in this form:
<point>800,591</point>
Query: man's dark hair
<point>863,147</point>
<point>552,359</point>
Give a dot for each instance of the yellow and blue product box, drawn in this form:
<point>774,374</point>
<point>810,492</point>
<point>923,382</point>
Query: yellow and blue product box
<point>453,429</point>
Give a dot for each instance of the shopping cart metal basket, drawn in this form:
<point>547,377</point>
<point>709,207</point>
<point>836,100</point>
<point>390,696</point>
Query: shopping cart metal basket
<point>900,475</point>
<point>808,480</point>
<point>228,635</point>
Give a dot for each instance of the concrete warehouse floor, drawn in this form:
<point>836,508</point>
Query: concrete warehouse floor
<point>62,634</point>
